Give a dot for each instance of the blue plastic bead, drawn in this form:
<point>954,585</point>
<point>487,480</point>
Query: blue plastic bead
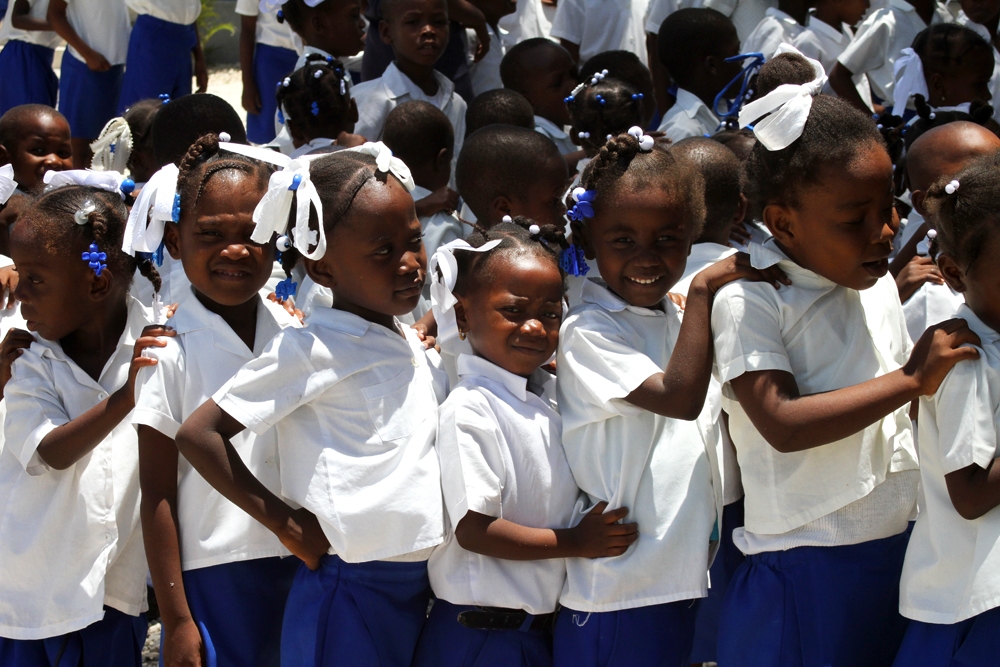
<point>95,258</point>
<point>128,185</point>
<point>296,181</point>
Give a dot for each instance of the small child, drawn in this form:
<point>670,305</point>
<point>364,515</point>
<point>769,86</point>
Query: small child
<point>34,139</point>
<point>625,66</point>
<point>316,106</point>
<point>694,45</point>
<point>780,25</point>
<point>588,27</point>
<point>828,31</point>
<point>181,122</point>
<point>601,108</point>
<point>984,17</point>
<point>420,135</point>
<point>142,160</point>
<point>501,106</point>
<point>330,28</point>
<point>29,46</point>
<point>485,74</point>
<point>353,399</point>
<point>73,582</point>
<point>269,50</point>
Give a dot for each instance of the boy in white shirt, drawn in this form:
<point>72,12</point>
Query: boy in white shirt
<point>780,25</point>
<point>26,57</point>
<point>531,19</point>
<point>485,73</point>
<point>827,34</point>
<point>588,27</point>
<point>983,17</point>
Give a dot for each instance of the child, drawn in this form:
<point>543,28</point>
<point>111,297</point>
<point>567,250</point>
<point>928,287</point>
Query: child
<point>625,66</point>
<point>694,45</point>
<point>485,73</point>
<point>316,105</point>
<point>73,583</point>
<point>508,488</point>
<point>329,28</point>
<point>179,123</point>
<point>421,136</point>
<point>588,27</point>
<point>501,106</point>
<point>780,25</point>
<point>533,18</point>
<point>221,578</point>
<point>825,447</point>
<point>34,139</point>
<point>827,33</point>
<point>948,585</point>
<point>353,399</point>
<point>29,46</point>
<point>141,159</point>
<point>983,18</point>
<point>602,109</point>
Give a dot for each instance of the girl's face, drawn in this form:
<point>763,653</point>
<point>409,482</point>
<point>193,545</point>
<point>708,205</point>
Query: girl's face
<point>514,320</point>
<point>213,241</point>
<point>336,27</point>
<point>980,282</point>
<point>843,225</point>
<point>375,261</point>
<point>970,82</point>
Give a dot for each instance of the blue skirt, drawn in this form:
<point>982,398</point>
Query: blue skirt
<point>87,98</point>
<point>815,607</point>
<point>656,636</point>
<point>447,643</point>
<point>974,642</point>
<point>116,640</point>
<point>271,64</point>
<point>26,75</point>
<point>158,61</point>
<point>347,614</point>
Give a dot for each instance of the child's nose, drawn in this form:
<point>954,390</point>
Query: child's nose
<point>409,262</point>
<point>533,327</point>
<point>236,251</point>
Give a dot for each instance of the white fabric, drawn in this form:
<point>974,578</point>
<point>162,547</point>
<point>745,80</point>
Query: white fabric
<point>184,12</point>
<point>908,80</point>
<point>109,181</point>
<point>355,408</point>
<point>529,20</point>
<point>443,269</point>
<point>200,359</point>
<point>557,134</point>
<point>113,147</point>
<point>745,14</point>
<point>952,566</point>
<point>291,185</point>
<point>501,455</point>
<point>152,209</point>
<point>597,26</point>
<point>439,228</point>
<point>486,73</point>
<point>270,31</point>
<point>775,29</point>
<point>70,540</point>
<point>658,11</point>
<point>688,117</point>
<point>821,41</point>
<point>666,471</point>
<point>39,10</point>
<point>931,304</point>
<point>983,32</point>
<point>828,337</point>
<point>313,144</point>
<point>7,183</point>
<point>104,26</point>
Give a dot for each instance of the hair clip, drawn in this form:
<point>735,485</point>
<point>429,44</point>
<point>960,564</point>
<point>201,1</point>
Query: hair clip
<point>952,187</point>
<point>164,97</point>
<point>598,77</point>
<point>175,213</point>
<point>573,261</point>
<point>283,243</point>
<point>285,289</point>
<point>224,137</point>
<point>534,231</point>
<point>82,215</point>
<point>94,258</point>
<point>583,135</point>
<point>506,220</point>
<point>314,108</point>
<point>296,182</point>
<point>637,96</point>
<point>584,207</point>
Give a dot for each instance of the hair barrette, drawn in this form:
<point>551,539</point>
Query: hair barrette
<point>113,147</point>
<point>224,137</point>
<point>573,261</point>
<point>314,108</point>
<point>95,259</point>
<point>952,187</point>
<point>82,215</point>
<point>584,206</point>
<point>286,289</point>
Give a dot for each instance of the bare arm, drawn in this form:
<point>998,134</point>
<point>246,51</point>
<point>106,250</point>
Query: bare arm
<point>471,16</point>
<point>200,67</point>
<point>842,83</point>
<point>20,19</point>
<point>908,251</point>
<point>248,41</point>
<point>974,491</point>
<point>57,19</point>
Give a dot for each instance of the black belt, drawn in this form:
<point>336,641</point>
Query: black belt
<point>499,618</point>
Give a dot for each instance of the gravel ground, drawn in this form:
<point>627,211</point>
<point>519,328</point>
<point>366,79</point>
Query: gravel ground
<point>151,651</point>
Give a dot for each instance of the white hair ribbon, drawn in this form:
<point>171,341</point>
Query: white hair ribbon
<point>443,270</point>
<point>110,181</point>
<point>257,153</point>
<point>153,207</point>
<point>272,5</point>
<point>271,215</point>
<point>386,162</point>
<point>909,80</point>
<point>113,147</point>
<point>7,183</point>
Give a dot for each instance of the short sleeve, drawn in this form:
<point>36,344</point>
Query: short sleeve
<point>808,45</point>
<point>247,7</point>
<point>34,409</point>
<point>964,413</point>
<point>680,127</point>
<point>657,13</point>
<point>867,51</point>
<point>569,21</point>
<point>747,332</point>
<point>159,403</point>
<point>726,7</point>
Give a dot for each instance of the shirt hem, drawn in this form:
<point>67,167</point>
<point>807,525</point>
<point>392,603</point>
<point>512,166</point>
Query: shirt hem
<point>924,616</point>
<point>586,606</point>
<point>233,558</point>
<point>56,630</point>
<point>390,553</point>
<point>129,608</point>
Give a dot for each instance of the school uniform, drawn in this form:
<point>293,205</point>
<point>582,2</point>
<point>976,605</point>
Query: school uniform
<point>982,31</point>
<point>931,304</point>
<point>688,117</point>
<point>354,408</point>
<point>825,528</point>
<point>26,61</point>
<point>557,134</point>
<point>486,73</point>
<point>159,50</point>
<point>440,228</point>
<point>597,26</point>
<point>745,14</point>
<point>531,19</point>
<point>638,608</point>
<point>823,42</point>
<point>501,455</point>
<point>776,28</point>
<point>74,569</point>
<point>880,39</point>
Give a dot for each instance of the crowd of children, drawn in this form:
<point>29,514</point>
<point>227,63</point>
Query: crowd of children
<point>502,335</point>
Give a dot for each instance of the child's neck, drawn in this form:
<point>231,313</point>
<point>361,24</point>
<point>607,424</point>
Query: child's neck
<point>419,74</point>
<point>95,342</point>
<point>797,9</point>
<point>991,27</point>
<point>924,8</point>
<point>242,319</point>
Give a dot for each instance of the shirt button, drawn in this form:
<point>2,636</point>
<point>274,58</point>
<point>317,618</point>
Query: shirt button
<point>415,361</point>
<point>102,396</point>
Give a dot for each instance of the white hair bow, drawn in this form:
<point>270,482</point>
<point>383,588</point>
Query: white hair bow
<point>113,147</point>
<point>110,181</point>
<point>7,183</point>
<point>257,153</point>
<point>153,208</point>
<point>909,80</point>
<point>443,270</point>
<point>271,215</point>
<point>272,5</point>
<point>788,106</point>
<point>385,161</point>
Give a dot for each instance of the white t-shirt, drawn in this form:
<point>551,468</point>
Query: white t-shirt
<point>103,25</point>
<point>184,12</point>
<point>486,73</point>
<point>70,540</point>
<point>597,26</point>
<point>354,405</point>
<point>828,337</point>
<point>952,566</point>
<point>441,227</point>
<point>501,455</point>
<point>821,41</point>
<point>995,79</point>
<point>666,471</point>
<point>775,29</point>
<point>557,134</point>
<point>529,20</point>
<point>689,117</point>
<point>270,31</point>
<point>205,354</point>
<point>745,14</point>
<point>39,10</point>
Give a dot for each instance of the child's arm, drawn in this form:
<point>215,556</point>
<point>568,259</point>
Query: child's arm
<point>57,19</point>
<point>204,440</point>
<point>974,491</point>
<point>248,41</point>
<point>679,392</point>
<point>21,20</point>
<point>842,82</point>
<point>14,344</point>
<point>471,16</point>
<point>200,68</point>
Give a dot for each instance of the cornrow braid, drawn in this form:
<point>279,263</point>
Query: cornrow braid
<point>315,100</point>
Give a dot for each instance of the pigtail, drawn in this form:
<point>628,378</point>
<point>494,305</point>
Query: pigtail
<point>148,270</point>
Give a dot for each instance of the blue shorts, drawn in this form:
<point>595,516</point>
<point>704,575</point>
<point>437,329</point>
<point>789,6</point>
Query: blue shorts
<point>271,64</point>
<point>974,642</point>
<point>116,639</point>
<point>655,636</point>
<point>26,75</point>
<point>815,606</point>
<point>158,61</point>
<point>238,608</point>
<point>447,643</point>
<point>87,98</point>
<point>347,614</point>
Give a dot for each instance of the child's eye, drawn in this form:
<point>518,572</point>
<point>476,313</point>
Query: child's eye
<point>553,315</point>
<point>667,238</point>
<point>511,309</point>
<point>383,251</point>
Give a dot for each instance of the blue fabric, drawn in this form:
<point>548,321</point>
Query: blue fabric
<point>26,75</point>
<point>158,61</point>
<point>974,642</point>
<point>116,639</point>
<point>655,636</point>
<point>354,614</point>
<point>727,561</point>
<point>815,607</point>
<point>271,64</point>
<point>447,643</point>
<point>87,98</point>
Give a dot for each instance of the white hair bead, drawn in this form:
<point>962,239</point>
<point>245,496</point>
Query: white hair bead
<point>646,143</point>
<point>224,137</point>
<point>933,115</point>
<point>952,187</point>
<point>576,193</point>
<point>287,81</point>
<point>507,219</point>
<point>82,215</point>
<point>534,230</point>
<point>931,234</point>
<point>584,135</point>
<point>317,74</point>
<point>636,132</point>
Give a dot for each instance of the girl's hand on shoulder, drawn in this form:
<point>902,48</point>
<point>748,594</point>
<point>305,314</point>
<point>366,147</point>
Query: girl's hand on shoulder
<point>183,646</point>
<point>303,536</point>
<point>599,535</point>
<point>737,267</point>
<point>937,351</point>
<point>915,273</point>
<point>678,300</point>
<point>14,343</point>
<point>152,336</point>
<point>8,283</point>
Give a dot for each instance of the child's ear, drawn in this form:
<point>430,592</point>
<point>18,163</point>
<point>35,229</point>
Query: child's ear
<point>917,198</point>
<point>102,285</point>
<point>460,317</point>
<point>442,160</point>
<point>172,239</point>
<point>953,275</point>
<point>501,207</point>
<point>780,221</point>
<point>320,272</point>
<point>352,113</point>
<point>936,88</point>
<point>383,33</point>
<point>4,156</point>
<point>741,210</point>
<point>582,239</point>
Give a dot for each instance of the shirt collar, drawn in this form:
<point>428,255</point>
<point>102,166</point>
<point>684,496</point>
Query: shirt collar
<point>470,365</point>
<point>398,84</point>
<point>827,30</point>
<point>709,251</point>
<point>769,254</point>
<point>784,17</point>
<point>192,315</point>
<point>598,294</point>
<point>987,335</point>
<point>549,128</point>
<point>690,104</point>
<point>902,5</point>
<point>978,28</point>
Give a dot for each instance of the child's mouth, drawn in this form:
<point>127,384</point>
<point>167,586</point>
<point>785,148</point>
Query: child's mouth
<point>643,281</point>
<point>878,268</point>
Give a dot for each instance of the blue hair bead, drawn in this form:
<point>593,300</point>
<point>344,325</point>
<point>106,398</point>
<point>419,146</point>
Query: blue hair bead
<point>637,96</point>
<point>296,181</point>
<point>158,255</point>
<point>285,289</point>
<point>281,15</point>
<point>600,100</point>
<point>128,185</point>
<point>568,100</point>
<point>164,97</point>
<point>95,258</point>
<point>315,108</point>
<point>175,214</point>
<point>112,148</point>
<point>573,261</point>
<point>281,116</point>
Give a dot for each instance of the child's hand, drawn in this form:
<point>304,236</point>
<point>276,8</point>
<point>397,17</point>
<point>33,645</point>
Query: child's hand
<point>599,535</point>
<point>304,538</point>
<point>442,199</point>
<point>678,300</point>
<point>938,350</point>
<point>183,646</point>
<point>289,307</point>
<point>151,337</point>
<point>96,62</point>
<point>14,343</point>
<point>8,283</point>
<point>739,234</point>
<point>737,267</point>
<point>251,96</point>
<point>915,273</point>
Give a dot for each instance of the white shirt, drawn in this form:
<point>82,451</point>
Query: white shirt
<point>828,337</point>
<point>70,540</point>
<point>486,73</point>
<point>202,357</point>
<point>880,39</point>
<point>821,41</point>
<point>995,79</point>
<point>775,29</point>
<point>184,12</point>
<point>952,566</point>
<point>660,468</point>
<point>501,455</point>
<point>355,409</point>
<point>528,20</point>
<point>689,117</point>
<point>557,134</point>
<point>439,228</point>
<point>597,26</point>
<point>745,14</point>
<point>103,25</point>
<point>39,10</point>
<point>270,31</point>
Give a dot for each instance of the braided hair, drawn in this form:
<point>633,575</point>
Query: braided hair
<point>315,100</point>
<point>607,107</point>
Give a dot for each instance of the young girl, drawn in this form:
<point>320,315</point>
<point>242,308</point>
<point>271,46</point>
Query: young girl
<point>73,581</point>
<point>949,585</point>
<point>353,399</point>
<point>817,384</point>
<point>598,108</point>
<point>220,578</point>
<point>508,488</point>
<point>632,380</point>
